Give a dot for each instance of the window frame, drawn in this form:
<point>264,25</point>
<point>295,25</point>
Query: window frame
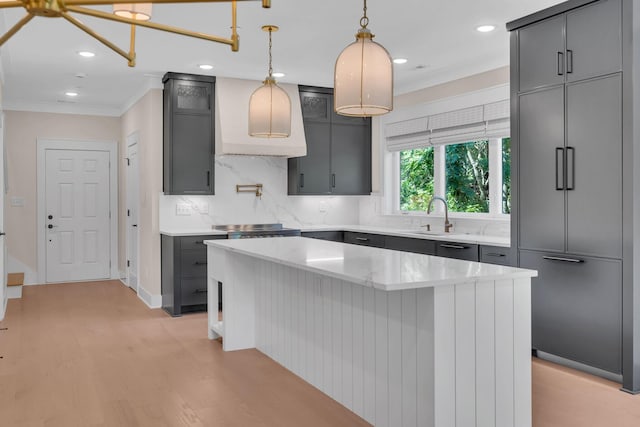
<point>495,184</point>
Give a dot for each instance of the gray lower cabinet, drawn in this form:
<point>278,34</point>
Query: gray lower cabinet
<point>334,236</point>
<point>338,159</point>
<point>184,273</point>
<point>420,246</point>
<point>465,251</point>
<point>496,255</point>
<point>188,134</point>
<point>576,304</point>
<point>364,239</point>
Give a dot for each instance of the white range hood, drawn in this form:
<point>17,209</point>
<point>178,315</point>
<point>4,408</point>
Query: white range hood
<point>232,122</point>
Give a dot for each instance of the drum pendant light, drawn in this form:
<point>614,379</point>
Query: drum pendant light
<point>269,105</point>
<point>363,79</point>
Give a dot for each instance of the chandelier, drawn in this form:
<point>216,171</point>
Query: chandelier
<point>133,12</point>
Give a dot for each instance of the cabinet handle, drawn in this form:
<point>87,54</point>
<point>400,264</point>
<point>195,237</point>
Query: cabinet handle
<point>333,180</point>
<point>199,242</point>
<point>200,291</point>
<point>569,61</point>
<point>208,178</point>
<point>561,259</point>
<point>199,263</point>
<point>301,180</point>
<point>362,239</point>
<point>495,254</point>
<point>558,165</point>
<point>571,152</point>
<point>560,63</point>
<point>453,246</point>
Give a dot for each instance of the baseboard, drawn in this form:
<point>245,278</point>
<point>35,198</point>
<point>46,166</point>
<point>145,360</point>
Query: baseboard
<point>30,275</point>
<point>14,292</point>
<point>579,366</point>
<point>152,301</point>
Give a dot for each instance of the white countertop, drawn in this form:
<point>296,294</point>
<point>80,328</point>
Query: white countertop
<point>415,234</point>
<point>379,268</point>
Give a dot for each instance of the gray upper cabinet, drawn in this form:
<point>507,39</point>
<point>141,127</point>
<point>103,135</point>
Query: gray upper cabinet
<point>594,168</point>
<point>188,134</point>
<point>338,159</point>
<point>566,48</point>
<point>594,53</point>
<point>541,54</point>
<point>542,215</point>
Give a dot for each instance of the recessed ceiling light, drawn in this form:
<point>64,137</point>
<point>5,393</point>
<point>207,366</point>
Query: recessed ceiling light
<point>278,75</point>
<point>486,28</point>
<point>71,94</point>
<point>86,54</point>
<point>205,67</point>
<point>400,61</point>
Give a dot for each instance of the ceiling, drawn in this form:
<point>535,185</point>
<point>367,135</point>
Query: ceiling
<point>40,62</point>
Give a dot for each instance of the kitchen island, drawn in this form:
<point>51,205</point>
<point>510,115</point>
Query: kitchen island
<point>401,339</point>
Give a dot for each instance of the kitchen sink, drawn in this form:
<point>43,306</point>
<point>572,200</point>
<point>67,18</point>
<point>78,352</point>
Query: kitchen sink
<point>428,232</point>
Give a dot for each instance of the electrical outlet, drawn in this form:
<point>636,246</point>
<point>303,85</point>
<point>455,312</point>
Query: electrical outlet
<point>203,208</point>
<point>322,207</point>
<point>183,209</point>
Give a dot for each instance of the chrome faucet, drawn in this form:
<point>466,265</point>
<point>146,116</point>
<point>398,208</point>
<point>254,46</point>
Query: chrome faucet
<point>447,224</point>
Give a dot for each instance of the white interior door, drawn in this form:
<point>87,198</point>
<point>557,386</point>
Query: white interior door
<point>77,201</point>
<point>132,214</point>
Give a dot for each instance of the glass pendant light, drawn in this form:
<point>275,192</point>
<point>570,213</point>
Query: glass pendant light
<point>270,106</point>
<point>363,79</point>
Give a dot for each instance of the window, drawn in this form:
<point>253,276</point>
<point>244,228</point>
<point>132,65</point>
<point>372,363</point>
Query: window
<point>467,175</point>
<point>416,179</point>
<point>506,176</point>
<point>474,176</point>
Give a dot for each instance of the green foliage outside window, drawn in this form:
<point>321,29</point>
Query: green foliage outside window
<point>416,179</point>
<point>467,176</point>
<point>506,175</point>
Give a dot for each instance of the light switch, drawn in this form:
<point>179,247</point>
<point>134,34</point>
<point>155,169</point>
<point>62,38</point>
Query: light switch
<point>203,208</point>
<point>17,202</point>
<point>322,207</point>
<point>183,209</point>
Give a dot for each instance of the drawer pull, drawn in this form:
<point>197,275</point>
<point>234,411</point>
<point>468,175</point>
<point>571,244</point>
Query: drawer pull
<point>495,254</point>
<point>561,259</point>
<point>200,291</point>
<point>199,242</point>
<point>453,246</point>
<point>199,263</point>
<point>362,239</point>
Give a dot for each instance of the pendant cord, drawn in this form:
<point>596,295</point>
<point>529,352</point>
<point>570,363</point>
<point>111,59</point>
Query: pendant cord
<point>270,57</point>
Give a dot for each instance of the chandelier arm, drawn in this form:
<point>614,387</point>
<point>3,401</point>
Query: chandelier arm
<point>80,25</point>
<point>21,23</point>
<point>7,4</point>
<point>147,24</point>
<point>265,3</point>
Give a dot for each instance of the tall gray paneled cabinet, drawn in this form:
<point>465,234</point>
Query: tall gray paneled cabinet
<point>574,141</point>
<point>188,134</point>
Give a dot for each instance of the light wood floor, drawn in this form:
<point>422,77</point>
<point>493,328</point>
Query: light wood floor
<point>92,354</point>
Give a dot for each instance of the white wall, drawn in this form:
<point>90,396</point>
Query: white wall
<point>144,117</point>
<point>229,207</point>
<point>22,130</point>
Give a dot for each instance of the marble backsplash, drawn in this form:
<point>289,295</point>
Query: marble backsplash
<point>229,207</point>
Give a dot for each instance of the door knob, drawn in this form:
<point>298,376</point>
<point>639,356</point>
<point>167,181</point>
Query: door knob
<point>134,225</point>
<point>50,217</point>
<point>50,226</point>
<point>2,233</point>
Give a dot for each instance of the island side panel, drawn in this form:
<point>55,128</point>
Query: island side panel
<point>451,344</point>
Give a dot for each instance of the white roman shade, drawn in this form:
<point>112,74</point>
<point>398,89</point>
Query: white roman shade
<point>467,124</point>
